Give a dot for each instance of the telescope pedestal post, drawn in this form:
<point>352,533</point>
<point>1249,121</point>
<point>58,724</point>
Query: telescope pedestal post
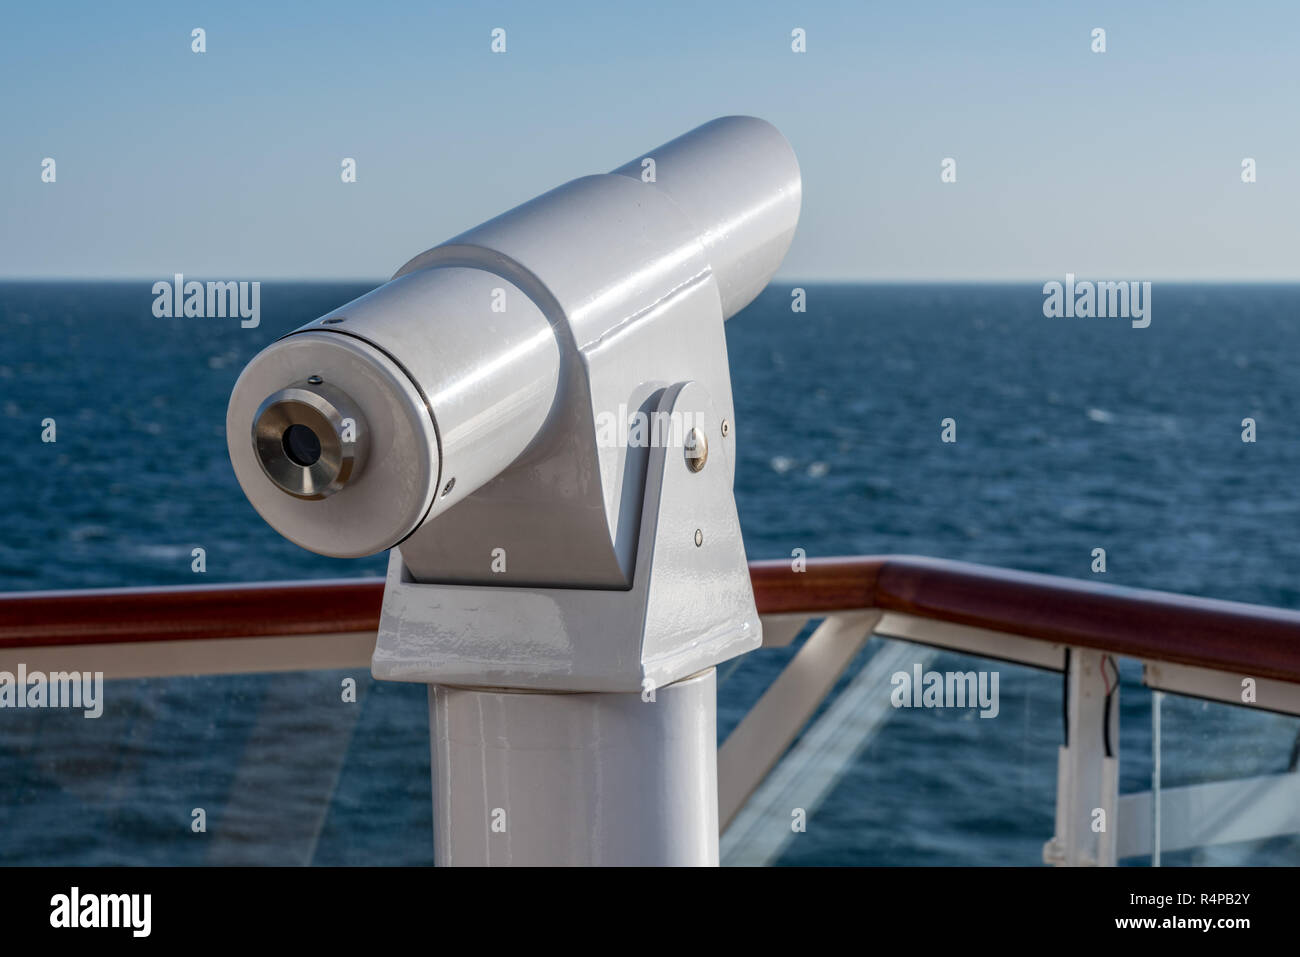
<point>599,778</point>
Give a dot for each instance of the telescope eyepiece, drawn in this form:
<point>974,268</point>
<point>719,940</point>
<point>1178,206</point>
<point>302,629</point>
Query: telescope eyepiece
<point>310,439</point>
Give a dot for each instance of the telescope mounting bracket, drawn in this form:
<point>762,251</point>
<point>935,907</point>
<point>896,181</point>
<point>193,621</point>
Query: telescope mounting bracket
<point>689,607</point>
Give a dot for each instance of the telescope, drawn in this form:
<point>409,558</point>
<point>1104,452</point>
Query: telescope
<point>536,419</point>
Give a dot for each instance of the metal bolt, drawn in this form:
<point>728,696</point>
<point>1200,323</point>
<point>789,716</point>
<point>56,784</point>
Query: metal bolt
<point>451,484</point>
<point>333,320</point>
<point>314,380</point>
<point>699,537</point>
<point>726,428</point>
<point>696,449</point>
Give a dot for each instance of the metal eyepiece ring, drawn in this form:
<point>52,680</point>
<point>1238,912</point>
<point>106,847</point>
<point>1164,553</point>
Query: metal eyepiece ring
<point>310,439</point>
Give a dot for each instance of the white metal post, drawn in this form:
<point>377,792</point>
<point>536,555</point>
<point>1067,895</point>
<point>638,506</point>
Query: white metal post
<point>1087,779</point>
<point>536,779</point>
<point>1157,701</point>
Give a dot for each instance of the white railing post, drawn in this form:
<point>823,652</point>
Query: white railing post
<point>1087,778</point>
<point>1157,702</point>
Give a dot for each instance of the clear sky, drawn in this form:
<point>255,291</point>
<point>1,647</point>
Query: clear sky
<point>226,165</point>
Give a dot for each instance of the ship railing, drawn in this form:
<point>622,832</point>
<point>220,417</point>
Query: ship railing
<point>793,745</point>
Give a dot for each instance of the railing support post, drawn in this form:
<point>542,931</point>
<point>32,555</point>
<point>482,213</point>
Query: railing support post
<point>1087,776</point>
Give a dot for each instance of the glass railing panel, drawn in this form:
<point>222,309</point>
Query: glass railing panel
<point>1222,784</point>
<point>886,784</point>
<point>284,769</point>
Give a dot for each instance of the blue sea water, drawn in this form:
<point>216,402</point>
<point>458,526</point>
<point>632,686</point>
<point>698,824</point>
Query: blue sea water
<point>1071,435</point>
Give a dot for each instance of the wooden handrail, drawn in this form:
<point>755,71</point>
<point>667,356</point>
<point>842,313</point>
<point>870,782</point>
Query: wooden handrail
<point>1249,640</point>
<point>188,613</point>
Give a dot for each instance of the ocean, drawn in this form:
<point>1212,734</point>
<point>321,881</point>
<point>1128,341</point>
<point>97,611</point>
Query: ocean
<point>1072,434</point>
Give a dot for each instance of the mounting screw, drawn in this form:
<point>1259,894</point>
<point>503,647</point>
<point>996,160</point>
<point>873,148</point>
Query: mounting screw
<point>699,537</point>
<point>314,380</point>
<point>726,428</point>
<point>696,449</point>
<point>451,484</point>
<point>333,320</point>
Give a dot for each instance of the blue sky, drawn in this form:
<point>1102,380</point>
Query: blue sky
<point>226,164</point>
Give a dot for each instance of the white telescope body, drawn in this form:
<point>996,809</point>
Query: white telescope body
<point>536,418</point>
<point>478,375</point>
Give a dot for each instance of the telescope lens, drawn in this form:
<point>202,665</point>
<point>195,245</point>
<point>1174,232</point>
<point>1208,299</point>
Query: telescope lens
<point>301,445</point>
<point>310,442</point>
